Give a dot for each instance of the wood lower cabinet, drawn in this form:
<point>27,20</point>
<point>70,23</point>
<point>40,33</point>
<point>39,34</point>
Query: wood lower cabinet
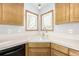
<point>52,52</point>
<point>26,49</point>
<point>13,13</point>
<point>39,44</point>
<point>73,52</point>
<point>58,50</point>
<point>52,49</point>
<point>39,49</point>
<point>48,49</point>
<point>58,53</point>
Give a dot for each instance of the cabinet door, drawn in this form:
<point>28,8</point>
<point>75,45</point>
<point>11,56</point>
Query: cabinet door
<point>13,13</point>
<point>39,52</point>
<point>57,53</point>
<point>73,52</point>
<point>74,12</point>
<point>61,13</point>
<point>61,48</point>
<point>39,48</point>
<point>0,13</point>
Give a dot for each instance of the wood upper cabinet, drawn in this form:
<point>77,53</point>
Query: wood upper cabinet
<point>74,12</point>
<point>13,13</point>
<point>66,13</point>
<point>61,13</point>
<point>0,13</point>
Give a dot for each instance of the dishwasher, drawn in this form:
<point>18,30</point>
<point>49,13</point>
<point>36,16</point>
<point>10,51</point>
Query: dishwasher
<point>14,51</point>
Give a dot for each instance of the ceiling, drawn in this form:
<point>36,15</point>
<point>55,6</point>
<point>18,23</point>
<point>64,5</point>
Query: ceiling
<point>42,5</point>
<point>34,7</point>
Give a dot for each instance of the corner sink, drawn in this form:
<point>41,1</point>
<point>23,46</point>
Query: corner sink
<point>38,39</point>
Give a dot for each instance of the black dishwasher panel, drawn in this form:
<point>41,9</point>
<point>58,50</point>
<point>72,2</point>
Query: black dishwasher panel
<point>14,51</point>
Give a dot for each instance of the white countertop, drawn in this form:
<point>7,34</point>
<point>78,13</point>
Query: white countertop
<point>68,40</point>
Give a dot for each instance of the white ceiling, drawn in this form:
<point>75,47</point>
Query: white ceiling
<point>34,7</point>
<point>43,5</point>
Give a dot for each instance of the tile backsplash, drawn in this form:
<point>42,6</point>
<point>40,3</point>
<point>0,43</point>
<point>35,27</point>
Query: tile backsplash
<point>8,29</point>
<point>67,28</point>
<point>72,28</point>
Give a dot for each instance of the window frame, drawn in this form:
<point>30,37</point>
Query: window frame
<point>27,11</point>
<point>51,11</point>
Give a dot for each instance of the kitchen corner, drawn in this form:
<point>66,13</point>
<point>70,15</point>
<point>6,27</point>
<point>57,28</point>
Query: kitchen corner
<point>39,29</point>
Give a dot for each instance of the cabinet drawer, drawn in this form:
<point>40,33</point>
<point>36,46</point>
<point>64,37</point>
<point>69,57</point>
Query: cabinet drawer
<point>73,52</point>
<point>61,48</point>
<point>39,52</point>
<point>57,53</point>
<point>39,44</point>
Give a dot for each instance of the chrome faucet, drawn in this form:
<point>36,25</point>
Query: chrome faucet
<point>44,32</point>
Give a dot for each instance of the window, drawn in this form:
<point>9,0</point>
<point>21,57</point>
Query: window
<point>31,21</point>
<point>47,21</point>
